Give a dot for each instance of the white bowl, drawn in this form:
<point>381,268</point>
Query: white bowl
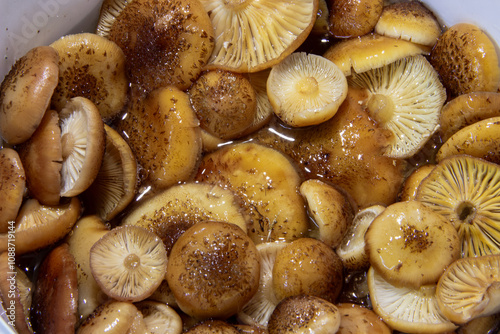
<point>28,23</point>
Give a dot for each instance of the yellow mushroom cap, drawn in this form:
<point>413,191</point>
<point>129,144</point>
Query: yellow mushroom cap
<point>354,18</point>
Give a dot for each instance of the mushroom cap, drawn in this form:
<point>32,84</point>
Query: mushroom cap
<point>306,89</point>
<point>252,35</point>
<point>224,102</point>
<point>25,93</point>
<point>406,309</point>
<point>12,186</point>
<point>350,320</point>
<point>264,111</point>
<point>83,143</point>
<point>115,184</point>
<point>465,191</point>
<point>466,59</point>
<point>304,314</point>
<point>128,263</point>
<point>164,42</point>
<point>467,109</point>
<point>113,316</point>
<point>212,326</point>
<point>55,298</point>
<point>401,240</point>
<point>371,51</point>
<point>213,270</point>
<point>409,20</point>
<point>469,288</point>
<point>351,18</point>
<point>412,181</point>
<point>42,156</point>
<point>159,317</point>
<point>406,98</point>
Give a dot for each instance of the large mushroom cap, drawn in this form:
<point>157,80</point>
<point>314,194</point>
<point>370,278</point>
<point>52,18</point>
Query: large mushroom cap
<point>350,18</point>
<point>253,35</point>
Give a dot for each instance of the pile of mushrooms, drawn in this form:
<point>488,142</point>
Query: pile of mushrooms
<point>205,166</point>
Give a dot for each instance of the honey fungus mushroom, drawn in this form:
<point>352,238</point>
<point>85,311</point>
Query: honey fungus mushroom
<point>351,18</point>
<point>12,186</point>
<point>213,270</point>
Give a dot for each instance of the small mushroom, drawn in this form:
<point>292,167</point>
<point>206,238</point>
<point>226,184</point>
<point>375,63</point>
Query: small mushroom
<point>12,186</point>
<point>213,270</point>
<point>410,186</point>
<point>401,240</point>
<point>212,326</point>
<point>160,318</point>
<point>304,314</point>
<point>128,263</point>
<point>321,25</point>
<point>264,110</point>
<point>38,226</point>
<point>115,184</point>
<point>351,18</point>
<point>409,20</point>
<point>252,35</point>
<point>25,93</point>
<point>82,143</point>
<point>405,97</point>
<point>357,319</point>
<point>469,288</point>
<point>306,89</point>
<point>371,51</point>
<point>164,42</point>
<point>407,310</point>
<point>113,317</point>
<point>224,102</point>
<point>93,67</point>
<point>55,298</point>
<point>466,59</point>
<point>41,156</point>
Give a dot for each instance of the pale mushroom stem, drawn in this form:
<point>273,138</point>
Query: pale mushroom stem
<point>67,144</point>
<point>307,86</point>
<point>381,107</point>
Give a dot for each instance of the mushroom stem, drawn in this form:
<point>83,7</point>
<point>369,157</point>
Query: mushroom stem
<point>381,108</point>
<point>466,211</point>
<point>67,144</point>
<point>307,86</point>
<point>132,261</point>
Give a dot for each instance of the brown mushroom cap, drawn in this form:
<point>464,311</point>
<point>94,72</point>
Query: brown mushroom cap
<point>357,319</point>
<point>351,18</point>
<point>211,327</point>
<point>12,186</point>
<point>25,93</point>
<point>165,42</point>
<point>213,270</point>
<point>113,317</point>
<point>55,298</point>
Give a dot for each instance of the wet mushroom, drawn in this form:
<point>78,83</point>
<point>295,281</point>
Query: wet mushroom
<point>351,18</point>
<point>410,186</point>
<point>469,288</point>
<point>25,93</point>
<point>404,97</point>
<point>82,143</point>
<point>108,12</point>
<point>113,317</point>
<point>128,263</point>
<point>306,89</point>
<point>93,67</point>
<point>466,59</point>
<point>160,318</point>
<point>12,186</point>
<point>213,270</point>
<point>251,35</point>
<point>212,326</point>
<point>264,110</point>
<point>357,319</point>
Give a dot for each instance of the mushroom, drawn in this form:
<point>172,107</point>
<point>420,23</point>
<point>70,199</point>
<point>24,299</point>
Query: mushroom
<point>411,183</point>
<point>12,186</point>
<point>250,329</point>
<point>115,184</point>
<point>304,314</point>
<point>351,18</point>
<point>160,318</point>
<point>469,288</point>
<point>321,25</point>
<point>404,97</point>
<point>41,156</point>
<point>371,51</point>
<point>464,189</point>
<point>480,140</point>
<point>213,270</point>
<point>409,20</point>
<point>224,102</point>
<point>258,310</point>
<point>38,226</point>
<point>16,292</point>
<point>296,261</point>
<point>329,208</point>
<point>55,298</point>
<point>164,135</point>
<point>351,249</point>
<point>108,12</point>
<point>401,240</point>
<point>25,93</point>
<point>171,212</point>
<point>407,309</point>
<point>264,111</point>
<point>466,59</point>
<point>357,319</point>
<point>268,184</point>
<point>467,109</point>
<point>128,263</point>
<point>306,89</point>
<point>212,326</point>
<point>82,143</point>
<point>86,232</point>
<point>93,67</point>
<point>251,35</point>
<point>164,42</point>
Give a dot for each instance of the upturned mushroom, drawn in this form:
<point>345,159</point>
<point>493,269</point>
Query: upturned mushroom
<point>160,318</point>
<point>352,18</point>
<point>12,186</point>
